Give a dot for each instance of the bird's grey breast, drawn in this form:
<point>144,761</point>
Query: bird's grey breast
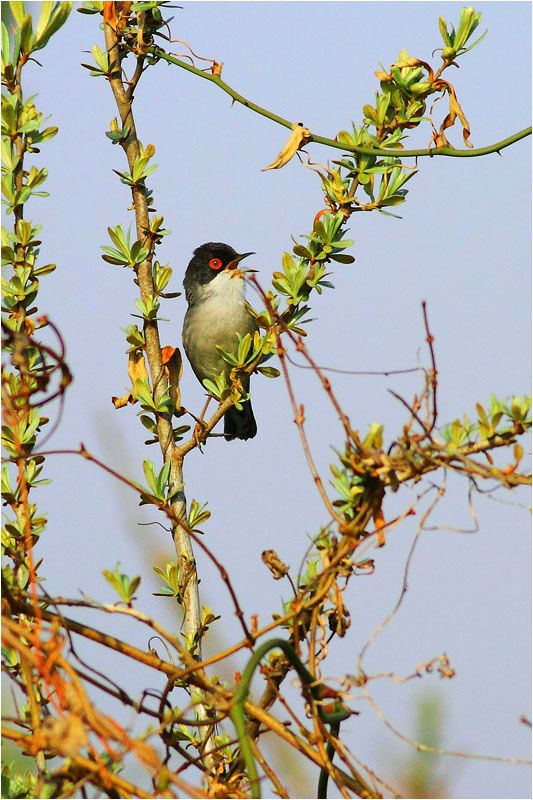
<point>214,317</point>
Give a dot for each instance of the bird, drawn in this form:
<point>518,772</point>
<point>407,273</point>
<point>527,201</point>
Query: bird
<point>214,289</point>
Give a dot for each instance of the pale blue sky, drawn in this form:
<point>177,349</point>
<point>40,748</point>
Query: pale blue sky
<point>463,245</point>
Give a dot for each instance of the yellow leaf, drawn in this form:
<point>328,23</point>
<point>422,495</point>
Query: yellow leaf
<point>298,138</point>
<point>136,372</point>
<point>121,402</point>
<point>137,367</point>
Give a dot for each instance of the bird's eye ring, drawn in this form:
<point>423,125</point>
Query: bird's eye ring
<point>215,263</point>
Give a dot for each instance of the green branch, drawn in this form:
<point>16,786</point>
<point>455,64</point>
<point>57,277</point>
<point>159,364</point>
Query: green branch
<point>323,778</point>
<point>310,684</point>
<point>371,151</point>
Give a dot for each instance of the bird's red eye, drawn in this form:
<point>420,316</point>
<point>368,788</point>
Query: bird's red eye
<point>215,263</point>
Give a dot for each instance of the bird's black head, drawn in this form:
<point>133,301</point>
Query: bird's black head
<point>208,261</point>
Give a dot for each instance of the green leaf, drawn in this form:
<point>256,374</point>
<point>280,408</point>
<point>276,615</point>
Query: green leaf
<point>157,483</point>
<point>44,17</point>
<point>148,308</point>
<point>119,135</point>
<point>162,479</point>
<point>269,372</point>
<point>162,275</point>
<point>121,583</point>
<point>149,474</point>
<point>120,239</point>
<point>342,258</point>
<point>46,270</point>
<point>171,576</point>
<point>26,35</point>
<point>148,423</point>
<point>6,51</point>
<point>144,395</point>
<point>475,44</point>
<point>212,388</point>
<point>90,8</point>
<point>59,15</point>
<point>302,252</point>
<point>17,9</point>
<point>197,514</point>
<point>443,28</point>
<point>138,253</point>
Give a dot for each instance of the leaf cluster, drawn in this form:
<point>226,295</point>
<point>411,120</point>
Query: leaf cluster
<point>24,40</point>
<point>366,182</point>
<point>123,585</point>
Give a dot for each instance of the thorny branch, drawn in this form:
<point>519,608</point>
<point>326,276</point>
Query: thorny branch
<point>158,53</point>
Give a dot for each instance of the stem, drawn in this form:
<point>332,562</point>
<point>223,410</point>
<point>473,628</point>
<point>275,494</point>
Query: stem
<point>14,413</point>
<point>189,590</point>
<point>312,687</point>
<point>324,774</point>
<point>370,151</point>
<point>18,172</point>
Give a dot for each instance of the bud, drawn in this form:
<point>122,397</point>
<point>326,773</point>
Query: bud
<point>448,54</point>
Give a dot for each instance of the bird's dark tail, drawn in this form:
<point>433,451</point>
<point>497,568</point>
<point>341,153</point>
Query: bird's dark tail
<point>240,424</point>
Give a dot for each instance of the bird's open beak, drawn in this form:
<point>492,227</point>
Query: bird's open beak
<point>234,265</point>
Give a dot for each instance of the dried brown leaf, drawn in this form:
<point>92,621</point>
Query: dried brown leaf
<point>274,563</point>
<point>298,138</point>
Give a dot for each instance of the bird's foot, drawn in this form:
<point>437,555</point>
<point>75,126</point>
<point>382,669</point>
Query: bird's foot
<point>199,434</point>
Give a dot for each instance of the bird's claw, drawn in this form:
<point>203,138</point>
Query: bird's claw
<point>199,434</point>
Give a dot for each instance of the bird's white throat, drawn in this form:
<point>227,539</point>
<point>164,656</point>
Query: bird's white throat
<point>227,289</point>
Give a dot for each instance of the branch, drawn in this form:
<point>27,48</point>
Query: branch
<point>192,622</point>
<point>370,151</point>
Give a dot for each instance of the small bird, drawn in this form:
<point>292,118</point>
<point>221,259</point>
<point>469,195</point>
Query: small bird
<point>214,288</point>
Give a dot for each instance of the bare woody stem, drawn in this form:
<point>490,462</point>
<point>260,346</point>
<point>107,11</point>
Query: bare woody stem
<point>370,151</point>
<point>190,597</point>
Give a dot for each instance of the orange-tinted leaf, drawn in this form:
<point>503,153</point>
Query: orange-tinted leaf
<point>110,13</point>
<point>173,363</point>
<point>166,353</point>
<point>379,522</point>
<point>29,324</point>
<point>320,214</point>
